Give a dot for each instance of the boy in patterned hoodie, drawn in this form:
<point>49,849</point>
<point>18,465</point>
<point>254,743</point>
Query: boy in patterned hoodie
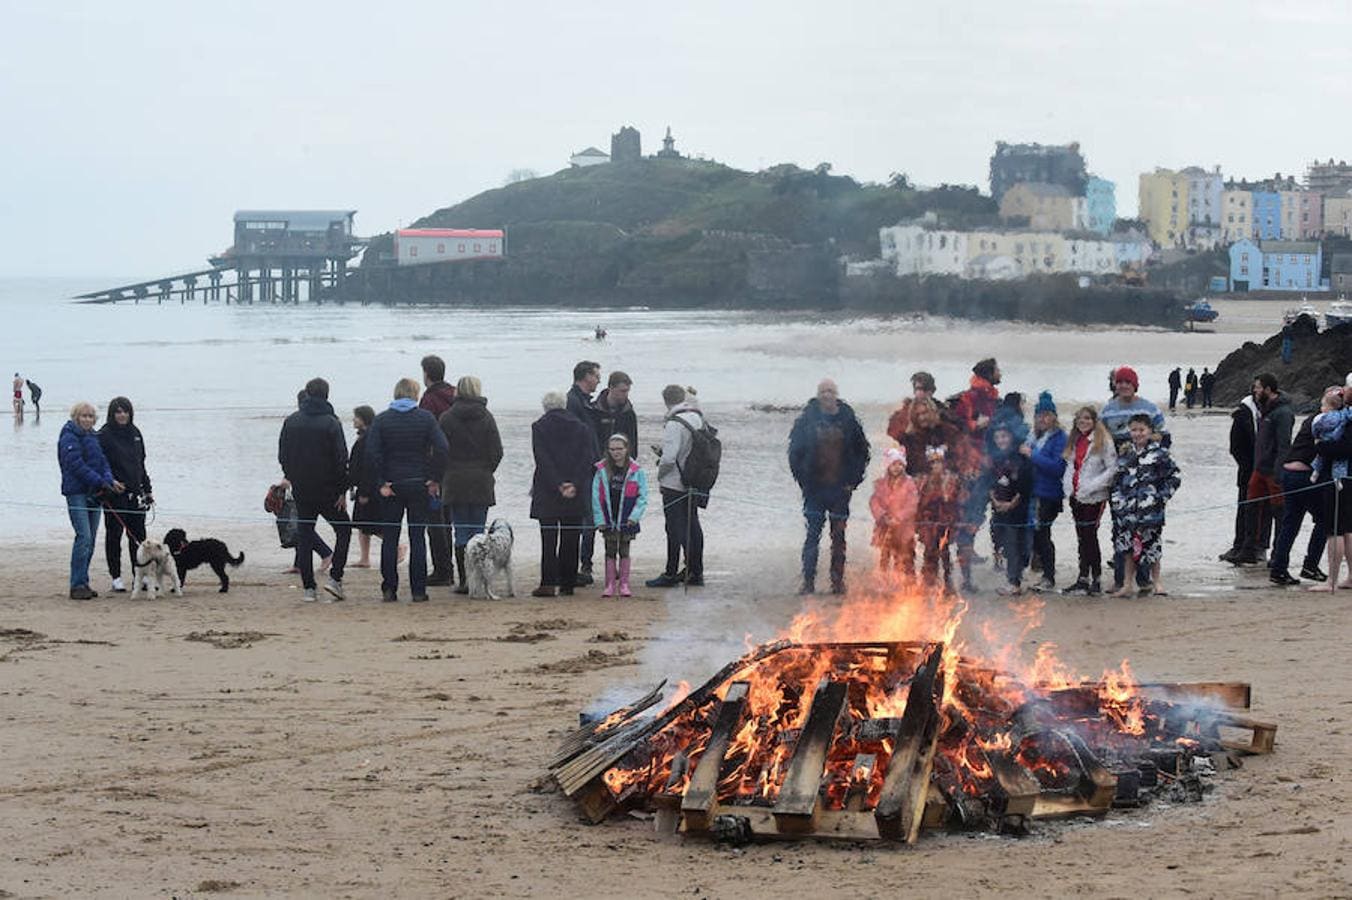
<point>1147,478</point>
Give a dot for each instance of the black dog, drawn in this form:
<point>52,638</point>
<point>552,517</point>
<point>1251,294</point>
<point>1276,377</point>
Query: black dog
<point>191,554</point>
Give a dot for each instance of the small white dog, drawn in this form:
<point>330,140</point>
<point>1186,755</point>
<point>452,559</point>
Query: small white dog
<point>486,555</point>
<point>153,560</point>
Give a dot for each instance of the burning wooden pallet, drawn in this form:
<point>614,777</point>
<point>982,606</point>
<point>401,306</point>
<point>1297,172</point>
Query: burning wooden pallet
<point>881,740</point>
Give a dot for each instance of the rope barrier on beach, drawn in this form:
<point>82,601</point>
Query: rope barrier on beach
<point>687,497</point>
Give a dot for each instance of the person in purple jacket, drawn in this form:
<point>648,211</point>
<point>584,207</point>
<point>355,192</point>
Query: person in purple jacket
<point>85,474</point>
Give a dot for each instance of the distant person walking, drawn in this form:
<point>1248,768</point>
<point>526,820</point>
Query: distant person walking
<point>1208,381</point>
<point>474,452</point>
<point>828,456</point>
<point>312,451</point>
<point>35,395</point>
<point>680,502</point>
<point>1047,454</point>
<point>85,478</point>
<point>1190,388</point>
<point>436,399</point>
<point>1091,467</point>
<point>125,450</point>
<point>1301,498</point>
<point>619,497</point>
<point>407,453</point>
<point>562,445</point>
<point>1175,385</point>
<point>18,394</point>
<point>586,376</point>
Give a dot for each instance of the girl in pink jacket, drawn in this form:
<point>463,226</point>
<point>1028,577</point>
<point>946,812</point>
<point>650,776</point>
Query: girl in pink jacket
<point>893,505</point>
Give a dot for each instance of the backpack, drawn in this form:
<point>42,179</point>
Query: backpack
<point>700,471</point>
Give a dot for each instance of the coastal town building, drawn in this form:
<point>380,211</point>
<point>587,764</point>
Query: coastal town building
<point>1338,215</point>
<point>589,157</point>
<point>1302,214</point>
<point>1013,164</point>
<point>1267,215</point>
<point>1163,206</point>
<point>921,248</point>
<point>1329,178</point>
<point>1044,207</point>
<point>1276,266</point>
<point>1100,198</point>
<point>1236,215</point>
<point>1204,207</point>
<point>1340,272</point>
<point>626,145</point>
<point>668,150</point>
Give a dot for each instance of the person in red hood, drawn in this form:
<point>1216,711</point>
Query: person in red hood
<point>436,399</point>
<point>972,412</point>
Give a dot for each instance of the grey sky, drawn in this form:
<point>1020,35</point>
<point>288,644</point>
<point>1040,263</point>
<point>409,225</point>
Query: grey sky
<point>134,129</point>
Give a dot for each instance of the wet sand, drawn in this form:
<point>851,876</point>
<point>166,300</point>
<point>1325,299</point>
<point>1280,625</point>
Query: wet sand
<point>250,743</point>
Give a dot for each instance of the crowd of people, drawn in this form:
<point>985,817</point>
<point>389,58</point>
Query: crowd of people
<point>428,461</point>
<point>1197,389</point>
<point>956,460</point>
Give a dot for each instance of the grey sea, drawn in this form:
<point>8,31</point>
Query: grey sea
<point>212,384</point>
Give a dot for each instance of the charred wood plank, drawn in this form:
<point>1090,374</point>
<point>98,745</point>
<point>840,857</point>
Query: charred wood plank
<point>802,783</point>
<point>1262,735</point>
<point>588,735</point>
<point>702,791</point>
<point>901,806</point>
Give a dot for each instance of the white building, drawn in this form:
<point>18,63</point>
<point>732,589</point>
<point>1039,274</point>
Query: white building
<point>589,157</point>
<point>914,249</point>
<point>420,246</point>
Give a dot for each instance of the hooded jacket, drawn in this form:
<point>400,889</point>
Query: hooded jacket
<point>404,445</point>
<point>1273,440</point>
<point>563,448</point>
<point>616,421</point>
<point>84,468</point>
<point>125,451</point>
<point>438,398</point>
<point>1049,464</point>
<point>473,453</point>
<point>1096,473</point>
<point>898,499</point>
<point>312,451</point>
<point>1146,480</point>
<point>633,498</point>
<point>828,453</point>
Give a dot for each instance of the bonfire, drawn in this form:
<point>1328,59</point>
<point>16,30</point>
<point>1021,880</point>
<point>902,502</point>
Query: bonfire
<point>825,732</point>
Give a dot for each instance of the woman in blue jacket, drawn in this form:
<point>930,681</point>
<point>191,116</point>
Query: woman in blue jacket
<point>84,475</point>
<point>619,497</point>
<point>1049,465</point>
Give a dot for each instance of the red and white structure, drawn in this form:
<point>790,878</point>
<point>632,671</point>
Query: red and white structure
<point>419,246</point>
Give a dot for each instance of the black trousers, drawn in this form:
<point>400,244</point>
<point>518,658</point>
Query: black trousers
<point>559,541</point>
<point>1044,551</point>
<point>439,541</point>
<point>683,533</point>
<point>112,532</point>
<point>308,511</point>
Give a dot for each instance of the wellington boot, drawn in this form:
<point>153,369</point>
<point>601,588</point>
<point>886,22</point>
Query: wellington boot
<point>610,579</point>
<point>624,578</point>
<point>463,586</point>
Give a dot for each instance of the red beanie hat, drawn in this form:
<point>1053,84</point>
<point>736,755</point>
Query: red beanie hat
<point>1127,373</point>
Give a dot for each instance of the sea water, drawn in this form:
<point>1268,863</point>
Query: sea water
<point>211,384</point>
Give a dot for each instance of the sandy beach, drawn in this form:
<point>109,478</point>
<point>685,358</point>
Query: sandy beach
<point>249,743</point>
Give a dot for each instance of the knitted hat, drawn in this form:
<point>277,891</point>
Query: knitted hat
<point>1127,373</point>
<point>1045,403</point>
<point>985,369</point>
<point>894,454</point>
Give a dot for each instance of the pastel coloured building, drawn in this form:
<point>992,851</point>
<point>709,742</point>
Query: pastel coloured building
<point>1100,198</point>
<point>1236,215</point>
<point>1043,206</point>
<point>1276,266</point>
<point>1163,206</point>
<point>1267,215</point>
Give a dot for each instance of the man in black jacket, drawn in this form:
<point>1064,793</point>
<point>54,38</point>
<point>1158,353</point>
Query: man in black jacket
<point>1243,430</point>
<point>586,376</point>
<point>614,414</point>
<point>1175,385</point>
<point>312,451</point>
<point>1301,497</point>
<point>406,450</point>
<point>828,456</point>
<point>436,399</point>
<point>1272,441</point>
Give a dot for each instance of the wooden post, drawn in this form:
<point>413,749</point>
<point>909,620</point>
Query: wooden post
<point>702,792</point>
<point>798,796</point>
<point>901,806</point>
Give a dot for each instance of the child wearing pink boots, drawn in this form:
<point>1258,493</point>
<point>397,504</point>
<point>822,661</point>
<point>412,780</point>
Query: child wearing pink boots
<point>619,496</point>
<point>893,505</point>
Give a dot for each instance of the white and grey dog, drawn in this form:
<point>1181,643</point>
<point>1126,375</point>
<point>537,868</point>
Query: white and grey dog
<point>486,555</point>
<point>153,560</point>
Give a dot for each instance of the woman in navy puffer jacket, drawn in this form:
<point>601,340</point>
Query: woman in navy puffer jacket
<point>84,473</point>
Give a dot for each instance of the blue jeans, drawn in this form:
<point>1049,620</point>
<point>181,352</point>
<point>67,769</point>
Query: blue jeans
<point>1295,505</point>
<point>410,498</point>
<point>84,517</point>
<point>469,519</point>
<point>817,511</point>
